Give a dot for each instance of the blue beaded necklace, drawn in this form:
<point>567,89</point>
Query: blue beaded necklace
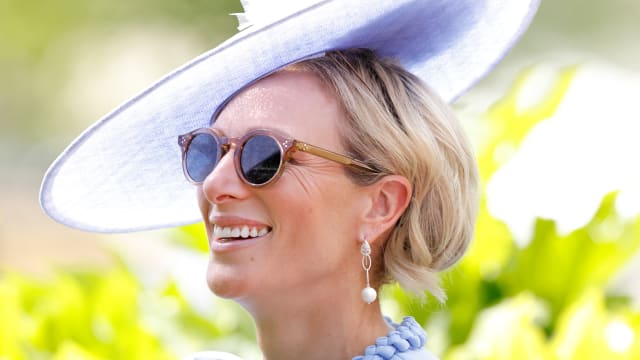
<point>406,336</point>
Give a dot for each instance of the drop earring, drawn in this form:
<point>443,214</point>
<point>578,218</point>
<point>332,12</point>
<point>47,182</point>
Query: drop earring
<point>368,293</point>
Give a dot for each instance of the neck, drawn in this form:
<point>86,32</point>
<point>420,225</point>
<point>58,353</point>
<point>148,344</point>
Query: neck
<point>315,323</point>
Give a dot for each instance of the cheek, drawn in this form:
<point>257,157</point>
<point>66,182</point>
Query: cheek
<point>306,204</point>
<point>317,218</point>
<point>204,205</point>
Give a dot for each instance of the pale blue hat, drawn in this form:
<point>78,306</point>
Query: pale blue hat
<point>124,172</point>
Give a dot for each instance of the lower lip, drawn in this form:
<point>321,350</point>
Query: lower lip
<point>219,247</point>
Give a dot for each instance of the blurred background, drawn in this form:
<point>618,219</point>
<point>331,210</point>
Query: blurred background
<point>554,269</point>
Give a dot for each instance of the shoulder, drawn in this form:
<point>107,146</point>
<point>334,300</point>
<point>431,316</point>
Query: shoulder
<point>211,355</point>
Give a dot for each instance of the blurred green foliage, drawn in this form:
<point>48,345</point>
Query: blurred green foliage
<point>75,316</point>
<point>27,28</point>
<point>37,40</point>
<point>109,315</point>
<point>546,299</point>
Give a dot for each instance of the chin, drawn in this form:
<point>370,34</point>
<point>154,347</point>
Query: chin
<point>225,283</point>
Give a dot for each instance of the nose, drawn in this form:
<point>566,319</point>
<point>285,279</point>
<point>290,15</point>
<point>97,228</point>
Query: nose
<point>223,184</point>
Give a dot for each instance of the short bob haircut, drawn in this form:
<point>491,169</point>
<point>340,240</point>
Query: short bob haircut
<point>395,123</point>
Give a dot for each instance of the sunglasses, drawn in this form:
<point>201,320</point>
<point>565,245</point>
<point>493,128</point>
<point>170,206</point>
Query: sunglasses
<point>259,155</point>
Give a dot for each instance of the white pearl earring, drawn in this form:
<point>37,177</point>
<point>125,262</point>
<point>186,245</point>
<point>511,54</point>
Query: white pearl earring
<point>368,293</point>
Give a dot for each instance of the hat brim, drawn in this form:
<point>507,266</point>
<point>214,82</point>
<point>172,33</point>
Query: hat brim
<point>124,172</point>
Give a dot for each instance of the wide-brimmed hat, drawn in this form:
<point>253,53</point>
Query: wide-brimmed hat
<point>124,172</point>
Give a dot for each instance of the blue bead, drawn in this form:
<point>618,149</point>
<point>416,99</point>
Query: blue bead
<point>407,336</point>
<point>370,350</point>
<point>372,357</point>
<point>423,338</point>
<point>386,351</point>
<point>405,332</point>
<point>382,341</point>
<point>414,341</point>
<point>399,343</point>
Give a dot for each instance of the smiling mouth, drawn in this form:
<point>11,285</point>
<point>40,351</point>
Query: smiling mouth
<point>235,233</point>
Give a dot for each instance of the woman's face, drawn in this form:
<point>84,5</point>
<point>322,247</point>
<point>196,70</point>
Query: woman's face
<point>311,212</point>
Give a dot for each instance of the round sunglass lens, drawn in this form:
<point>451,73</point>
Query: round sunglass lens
<point>201,156</point>
<point>260,159</point>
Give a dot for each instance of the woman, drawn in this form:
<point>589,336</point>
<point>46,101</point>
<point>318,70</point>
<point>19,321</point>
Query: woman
<point>413,199</point>
<point>321,175</point>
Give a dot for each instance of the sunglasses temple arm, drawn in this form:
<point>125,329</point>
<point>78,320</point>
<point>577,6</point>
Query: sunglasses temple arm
<point>335,157</point>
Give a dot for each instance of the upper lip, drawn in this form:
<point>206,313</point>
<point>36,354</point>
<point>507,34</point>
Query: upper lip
<point>232,220</point>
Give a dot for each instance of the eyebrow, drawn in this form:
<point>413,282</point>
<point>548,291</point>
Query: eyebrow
<point>253,128</point>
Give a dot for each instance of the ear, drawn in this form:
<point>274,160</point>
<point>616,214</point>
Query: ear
<point>389,197</point>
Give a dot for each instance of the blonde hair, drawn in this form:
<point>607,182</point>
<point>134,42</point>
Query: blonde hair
<point>396,124</point>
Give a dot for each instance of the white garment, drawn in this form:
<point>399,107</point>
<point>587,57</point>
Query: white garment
<point>211,355</point>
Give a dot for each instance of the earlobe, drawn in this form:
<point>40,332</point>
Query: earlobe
<point>390,197</point>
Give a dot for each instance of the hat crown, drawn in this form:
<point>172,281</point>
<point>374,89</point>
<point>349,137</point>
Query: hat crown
<point>260,12</point>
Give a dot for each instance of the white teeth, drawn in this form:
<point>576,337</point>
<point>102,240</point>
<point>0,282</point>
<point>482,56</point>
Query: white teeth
<point>241,231</point>
<point>226,232</point>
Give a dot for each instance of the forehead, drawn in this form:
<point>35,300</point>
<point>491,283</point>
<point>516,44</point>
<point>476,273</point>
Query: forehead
<point>294,102</point>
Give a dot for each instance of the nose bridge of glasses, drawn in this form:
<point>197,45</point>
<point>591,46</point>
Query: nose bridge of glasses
<point>235,144</point>
<point>232,144</point>
<point>226,145</point>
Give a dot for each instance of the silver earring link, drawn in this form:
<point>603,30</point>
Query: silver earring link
<point>368,293</point>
